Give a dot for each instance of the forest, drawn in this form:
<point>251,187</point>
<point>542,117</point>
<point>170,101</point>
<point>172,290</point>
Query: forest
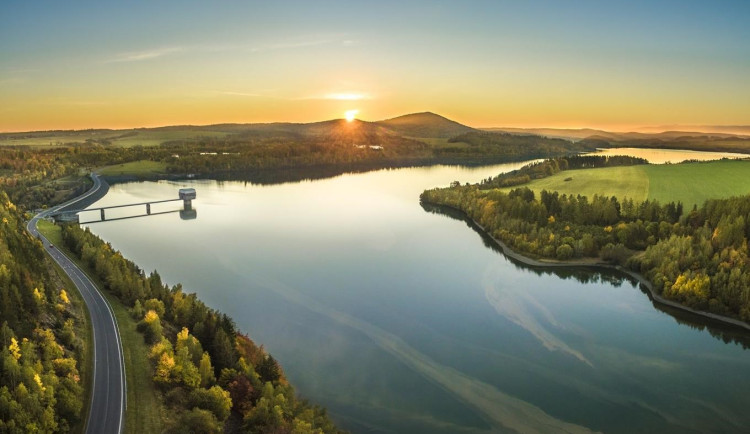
<point>41,344</point>
<point>514,147</point>
<point>697,257</point>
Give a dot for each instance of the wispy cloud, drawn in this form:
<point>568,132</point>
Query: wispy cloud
<point>241,94</point>
<point>79,103</point>
<point>137,56</point>
<point>11,80</point>
<point>17,70</point>
<point>260,93</point>
<point>12,75</point>
<point>155,53</point>
<point>268,93</point>
<point>346,96</point>
<point>291,45</point>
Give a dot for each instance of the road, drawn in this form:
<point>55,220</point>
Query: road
<point>108,402</point>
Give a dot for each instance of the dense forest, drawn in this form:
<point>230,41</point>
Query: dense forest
<point>34,177</point>
<point>514,147</point>
<point>41,350</point>
<point>348,145</point>
<point>208,371</point>
<point>698,258</point>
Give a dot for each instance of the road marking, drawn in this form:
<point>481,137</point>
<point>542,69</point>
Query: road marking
<point>87,290</point>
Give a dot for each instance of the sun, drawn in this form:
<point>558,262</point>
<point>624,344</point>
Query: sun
<point>350,115</point>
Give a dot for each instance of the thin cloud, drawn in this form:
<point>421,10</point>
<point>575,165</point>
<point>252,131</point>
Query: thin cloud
<point>290,45</point>
<point>155,53</point>
<point>11,80</point>
<point>138,56</point>
<point>346,96</point>
<point>80,103</point>
<point>242,94</point>
<point>17,70</point>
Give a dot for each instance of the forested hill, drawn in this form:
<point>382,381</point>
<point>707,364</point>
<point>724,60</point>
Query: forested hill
<point>513,145</point>
<point>252,151</point>
<point>426,124</point>
<point>41,345</point>
<point>30,171</point>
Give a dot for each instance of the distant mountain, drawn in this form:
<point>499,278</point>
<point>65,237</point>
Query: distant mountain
<point>554,133</point>
<point>730,130</point>
<point>426,124</point>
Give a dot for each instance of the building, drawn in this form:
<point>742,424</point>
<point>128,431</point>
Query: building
<point>187,193</point>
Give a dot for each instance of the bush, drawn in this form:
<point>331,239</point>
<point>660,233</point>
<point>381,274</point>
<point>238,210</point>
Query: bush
<point>197,421</point>
<point>150,326</point>
<point>615,253</point>
<point>548,251</point>
<point>564,252</point>
<point>216,400</point>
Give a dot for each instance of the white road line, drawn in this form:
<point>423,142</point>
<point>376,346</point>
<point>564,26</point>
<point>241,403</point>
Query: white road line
<point>87,290</point>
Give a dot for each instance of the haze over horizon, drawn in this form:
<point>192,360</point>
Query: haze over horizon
<point>614,66</point>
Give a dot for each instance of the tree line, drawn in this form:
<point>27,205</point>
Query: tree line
<point>501,147</point>
<point>698,258</point>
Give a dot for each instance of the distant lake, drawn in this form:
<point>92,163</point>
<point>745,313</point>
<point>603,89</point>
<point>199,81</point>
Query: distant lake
<point>399,319</point>
<point>661,156</point>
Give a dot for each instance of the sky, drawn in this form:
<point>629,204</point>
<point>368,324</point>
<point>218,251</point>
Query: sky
<point>617,65</point>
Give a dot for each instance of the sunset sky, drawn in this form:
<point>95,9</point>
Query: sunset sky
<point>613,65</point>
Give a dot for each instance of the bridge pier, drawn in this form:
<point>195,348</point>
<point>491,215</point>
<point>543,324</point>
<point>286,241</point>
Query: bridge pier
<point>186,195</point>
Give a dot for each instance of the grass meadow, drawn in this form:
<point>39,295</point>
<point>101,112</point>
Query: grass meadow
<point>689,183</point>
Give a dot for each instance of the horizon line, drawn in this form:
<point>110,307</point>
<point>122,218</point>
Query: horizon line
<point>652,129</point>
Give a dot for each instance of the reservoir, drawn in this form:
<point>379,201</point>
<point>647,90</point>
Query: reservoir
<point>401,319</point>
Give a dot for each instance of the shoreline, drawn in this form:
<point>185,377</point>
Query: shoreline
<point>510,253</point>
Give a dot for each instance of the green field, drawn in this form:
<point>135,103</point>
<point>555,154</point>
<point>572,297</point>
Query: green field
<point>136,168</point>
<point>145,409</point>
<point>689,183</point>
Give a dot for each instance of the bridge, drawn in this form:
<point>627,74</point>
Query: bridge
<point>185,194</point>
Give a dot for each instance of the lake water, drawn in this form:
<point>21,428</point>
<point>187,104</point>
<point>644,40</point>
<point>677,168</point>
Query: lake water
<point>661,156</point>
<point>398,319</point>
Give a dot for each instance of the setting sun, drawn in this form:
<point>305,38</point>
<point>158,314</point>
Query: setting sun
<point>350,115</point>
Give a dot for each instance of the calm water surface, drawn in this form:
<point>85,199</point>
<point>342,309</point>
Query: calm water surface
<point>402,320</point>
<point>661,156</point>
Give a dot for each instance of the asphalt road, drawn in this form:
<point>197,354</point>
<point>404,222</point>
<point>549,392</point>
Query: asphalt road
<point>107,411</point>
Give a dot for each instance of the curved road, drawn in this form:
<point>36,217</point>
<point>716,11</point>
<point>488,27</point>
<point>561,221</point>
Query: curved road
<point>107,411</point>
